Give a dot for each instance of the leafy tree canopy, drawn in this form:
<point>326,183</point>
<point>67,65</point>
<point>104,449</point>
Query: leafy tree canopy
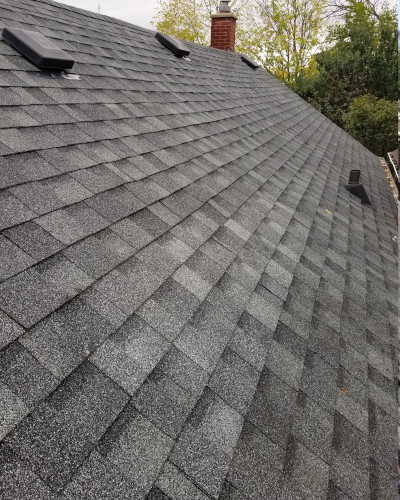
<point>185,19</point>
<point>373,122</point>
<point>361,59</point>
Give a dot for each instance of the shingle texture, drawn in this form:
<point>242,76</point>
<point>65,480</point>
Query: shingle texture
<point>192,306</point>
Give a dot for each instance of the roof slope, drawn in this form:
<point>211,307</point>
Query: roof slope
<point>192,306</point>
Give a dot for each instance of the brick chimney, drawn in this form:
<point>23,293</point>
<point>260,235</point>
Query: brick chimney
<point>223,28</point>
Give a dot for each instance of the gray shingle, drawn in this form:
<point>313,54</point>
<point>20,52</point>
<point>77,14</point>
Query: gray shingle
<point>55,439</point>
<point>115,204</point>
<point>304,473</point>
<point>24,167</point>
<point>18,480</point>
<point>137,448</point>
<point>183,371</point>
<point>273,408</point>
<point>142,349</point>
<point>176,299</point>
<point>99,478</point>
<point>67,159</point>
<point>167,324</point>
<point>12,210</point>
<point>164,403</point>
<point>265,308</point>
<point>9,329</point>
<point>129,285</point>
<point>156,494</point>
<point>50,194</point>
<point>382,439</point>
<point>313,427</point>
<point>319,381</point>
<point>235,381</point>
<point>229,492</point>
<point>382,485</point>
<point>12,259</point>
<point>185,227</point>
<point>206,445</point>
<point>98,254</point>
<point>34,240</point>
<point>205,337</point>
<point>284,364</point>
<point>230,297</point>
<point>12,410</point>
<point>251,340</point>
<point>98,178</point>
<point>72,223</point>
<point>192,282</point>
<point>133,234</point>
<point>33,294</point>
<point>218,253</point>
<point>66,338</point>
<point>29,140</point>
<point>24,375</point>
<point>177,486</point>
<point>257,464</point>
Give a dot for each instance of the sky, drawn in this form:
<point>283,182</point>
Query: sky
<point>139,12</point>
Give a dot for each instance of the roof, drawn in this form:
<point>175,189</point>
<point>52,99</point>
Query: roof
<point>192,306</point>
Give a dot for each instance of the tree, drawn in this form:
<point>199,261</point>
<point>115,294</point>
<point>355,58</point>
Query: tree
<point>338,8</point>
<point>373,122</point>
<point>291,31</point>
<point>398,68</point>
<point>385,55</point>
<point>361,59</point>
<point>185,19</point>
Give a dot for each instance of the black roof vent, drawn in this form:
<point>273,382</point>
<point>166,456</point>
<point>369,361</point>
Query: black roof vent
<point>38,49</point>
<point>354,177</point>
<point>249,62</point>
<point>173,44</point>
<point>354,187</point>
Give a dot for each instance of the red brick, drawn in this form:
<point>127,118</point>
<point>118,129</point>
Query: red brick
<point>223,33</point>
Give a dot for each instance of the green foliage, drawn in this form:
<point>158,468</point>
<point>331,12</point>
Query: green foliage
<point>398,68</point>
<point>290,31</point>
<point>361,60</point>
<point>185,19</point>
<point>384,71</point>
<point>373,122</point>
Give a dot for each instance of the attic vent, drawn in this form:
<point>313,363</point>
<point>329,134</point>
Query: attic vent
<point>38,49</point>
<point>173,44</point>
<point>249,62</point>
<point>354,187</point>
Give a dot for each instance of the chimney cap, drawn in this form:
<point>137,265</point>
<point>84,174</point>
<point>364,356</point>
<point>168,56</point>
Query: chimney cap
<point>224,6</point>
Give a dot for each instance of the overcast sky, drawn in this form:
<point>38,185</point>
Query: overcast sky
<point>139,12</point>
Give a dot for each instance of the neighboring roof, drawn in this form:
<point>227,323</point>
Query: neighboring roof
<point>192,306</point>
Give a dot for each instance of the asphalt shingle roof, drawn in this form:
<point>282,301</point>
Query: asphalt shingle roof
<point>192,306</point>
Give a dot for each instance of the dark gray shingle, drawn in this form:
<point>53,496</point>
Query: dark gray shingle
<point>183,225</point>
